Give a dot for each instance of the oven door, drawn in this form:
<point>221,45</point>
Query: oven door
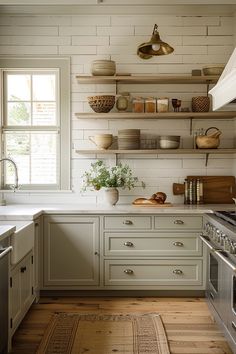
<point>218,281</point>
<point>232,310</point>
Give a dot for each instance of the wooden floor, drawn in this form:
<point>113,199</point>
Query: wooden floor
<point>189,325</point>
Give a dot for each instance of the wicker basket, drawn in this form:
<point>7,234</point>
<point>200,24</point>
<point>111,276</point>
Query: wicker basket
<point>101,104</point>
<point>200,104</point>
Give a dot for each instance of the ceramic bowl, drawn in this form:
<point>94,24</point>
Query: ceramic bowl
<point>169,142</point>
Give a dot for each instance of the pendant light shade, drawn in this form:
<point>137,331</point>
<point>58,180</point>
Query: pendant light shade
<point>154,47</point>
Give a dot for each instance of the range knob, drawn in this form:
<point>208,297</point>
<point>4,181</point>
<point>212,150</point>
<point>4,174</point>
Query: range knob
<point>227,244</point>
<point>232,248</point>
<point>222,239</point>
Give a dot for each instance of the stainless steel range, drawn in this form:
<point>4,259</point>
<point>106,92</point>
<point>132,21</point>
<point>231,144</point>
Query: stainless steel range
<point>219,236</point>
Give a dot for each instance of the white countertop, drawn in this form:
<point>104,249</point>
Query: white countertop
<point>31,212</point>
<point>6,230</point>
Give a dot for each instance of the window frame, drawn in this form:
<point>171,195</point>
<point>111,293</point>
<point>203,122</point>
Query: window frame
<point>61,64</point>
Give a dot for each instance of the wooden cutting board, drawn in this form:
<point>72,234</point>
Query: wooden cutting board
<point>216,189</point>
<point>154,205</point>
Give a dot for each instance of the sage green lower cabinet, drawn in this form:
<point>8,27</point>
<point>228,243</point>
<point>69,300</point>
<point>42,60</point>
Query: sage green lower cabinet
<point>71,252</point>
<point>123,252</point>
<point>21,290</point>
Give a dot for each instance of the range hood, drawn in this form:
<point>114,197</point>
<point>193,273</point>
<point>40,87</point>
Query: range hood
<point>225,89</point>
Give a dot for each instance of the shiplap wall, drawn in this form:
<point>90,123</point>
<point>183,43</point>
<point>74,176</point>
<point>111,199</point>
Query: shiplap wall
<point>198,40</point>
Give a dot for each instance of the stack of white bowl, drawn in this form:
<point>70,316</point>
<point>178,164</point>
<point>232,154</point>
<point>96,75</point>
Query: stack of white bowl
<point>103,68</point>
<point>129,139</point>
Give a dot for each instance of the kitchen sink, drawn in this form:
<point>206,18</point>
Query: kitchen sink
<point>22,240</point>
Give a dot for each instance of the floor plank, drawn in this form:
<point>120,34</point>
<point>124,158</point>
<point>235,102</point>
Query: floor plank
<point>189,325</point>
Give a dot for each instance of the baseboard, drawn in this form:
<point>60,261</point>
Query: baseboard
<point>124,293</point>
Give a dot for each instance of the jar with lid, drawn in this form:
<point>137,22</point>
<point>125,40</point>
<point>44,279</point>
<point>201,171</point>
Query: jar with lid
<point>122,102</point>
<point>150,105</point>
<point>162,105</point>
<point>138,105</point>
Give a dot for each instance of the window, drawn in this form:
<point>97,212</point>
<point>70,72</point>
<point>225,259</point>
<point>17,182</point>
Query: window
<point>35,122</point>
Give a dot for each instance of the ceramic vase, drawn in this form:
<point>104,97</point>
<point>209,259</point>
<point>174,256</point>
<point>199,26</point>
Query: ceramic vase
<point>111,195</point>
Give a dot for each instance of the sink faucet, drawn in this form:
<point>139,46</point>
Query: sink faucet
<point>16,185</point>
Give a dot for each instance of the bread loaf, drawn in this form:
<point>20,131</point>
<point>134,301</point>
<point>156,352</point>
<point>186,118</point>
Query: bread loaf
<point>145,201</point>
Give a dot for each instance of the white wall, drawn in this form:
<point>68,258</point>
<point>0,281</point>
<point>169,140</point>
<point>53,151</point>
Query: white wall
<point>198,40</point>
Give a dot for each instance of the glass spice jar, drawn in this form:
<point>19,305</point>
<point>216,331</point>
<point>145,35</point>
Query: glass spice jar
<point>122,102</point>
<point>150,105</point>
<point>162,105</point>
<point>138,105</point>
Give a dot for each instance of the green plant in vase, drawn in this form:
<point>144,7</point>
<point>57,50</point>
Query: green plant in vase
<point>110,178</point>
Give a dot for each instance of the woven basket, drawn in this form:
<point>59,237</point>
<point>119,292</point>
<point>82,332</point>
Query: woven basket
<point>200,104</point>
<point>101,104</point>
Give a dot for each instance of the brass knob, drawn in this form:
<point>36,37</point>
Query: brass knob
<point>178,222</point>
<point>128,271</point>
<point>178,244</point>
<point>178,271</point>
<point>96,253</point>
<point>128,244</point>
<point>128,222</point>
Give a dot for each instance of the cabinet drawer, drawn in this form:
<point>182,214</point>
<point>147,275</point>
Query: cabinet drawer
<point>178,222</point>
<point>153,272</point>
<point>127,222</point>
<point>152,244</point>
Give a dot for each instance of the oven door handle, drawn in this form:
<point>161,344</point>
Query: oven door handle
<point>208,243</point>
<point>5,251</point>
<point>225,260</point>
<point>218,252</point>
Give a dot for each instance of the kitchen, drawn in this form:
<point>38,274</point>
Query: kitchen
<point>51,36</point>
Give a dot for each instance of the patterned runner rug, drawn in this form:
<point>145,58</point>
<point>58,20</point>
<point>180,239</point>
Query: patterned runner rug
<point>104,334</point>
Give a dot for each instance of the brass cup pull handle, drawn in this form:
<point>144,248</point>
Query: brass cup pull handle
<point>178,271</point>
<point>128,271</point>
<point>128,222</point>
<point>178,244</point>
<point>178,222</point>
<point>128,244</point>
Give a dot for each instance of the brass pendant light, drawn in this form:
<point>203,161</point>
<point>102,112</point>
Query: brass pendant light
<point>154,47</point>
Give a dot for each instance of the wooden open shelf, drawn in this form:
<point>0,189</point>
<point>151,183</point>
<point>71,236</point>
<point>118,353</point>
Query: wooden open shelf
<point>159,151</point>
<point>167,115</point>
<point>133,79</point>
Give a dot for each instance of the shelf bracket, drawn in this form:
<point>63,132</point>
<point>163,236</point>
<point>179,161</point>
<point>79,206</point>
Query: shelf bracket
<point>116,159</point>
<point>191,125</point>
<point>207,158</point>
<point>116,87</point>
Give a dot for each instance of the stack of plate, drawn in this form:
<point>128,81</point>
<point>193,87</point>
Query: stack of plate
<point>129,139</point>
<point>103,67</point>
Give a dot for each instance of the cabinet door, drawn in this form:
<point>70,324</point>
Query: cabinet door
<point>21,290</point>
<point>26,273</point>
<point>71,251</point>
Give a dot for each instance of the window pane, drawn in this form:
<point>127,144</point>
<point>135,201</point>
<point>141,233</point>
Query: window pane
<point>18,113</point>
<point>18,148</point>
<point>44,88</point>
<point>44,113</point>
<point>43,158</point>
<point>35,156</point>
<point>18,87</point>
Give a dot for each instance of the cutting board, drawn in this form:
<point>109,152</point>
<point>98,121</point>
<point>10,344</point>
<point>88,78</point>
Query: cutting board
<point>154,205</point>
<point>216,189</point>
